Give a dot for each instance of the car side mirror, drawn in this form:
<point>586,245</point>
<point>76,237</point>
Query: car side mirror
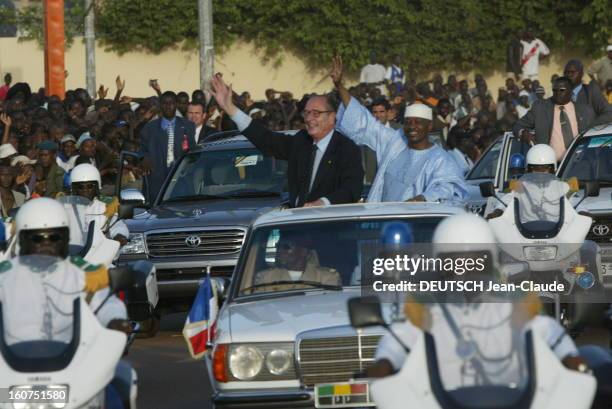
<point>222,285</point>
<point>132,196</point>
<point>591,188</point>
<point>487,189</point>
<point>365,312</point>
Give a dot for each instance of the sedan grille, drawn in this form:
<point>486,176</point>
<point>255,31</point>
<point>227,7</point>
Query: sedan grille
<point>195,243</point>
<point>328,360</point>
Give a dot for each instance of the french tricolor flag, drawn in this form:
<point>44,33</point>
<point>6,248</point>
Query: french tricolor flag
<point>200,324</point>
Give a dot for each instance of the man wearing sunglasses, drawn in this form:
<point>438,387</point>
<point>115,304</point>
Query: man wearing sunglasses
<point>556,120</point>
<point>42,229</point>
<point>85,181</point>
<point>324,166</point>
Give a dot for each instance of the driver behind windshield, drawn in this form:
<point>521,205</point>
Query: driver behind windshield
<point>295,261</point>
<point>538,191</point>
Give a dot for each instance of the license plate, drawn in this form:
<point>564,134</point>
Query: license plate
<point>343,395</point>
<point>606,268</point>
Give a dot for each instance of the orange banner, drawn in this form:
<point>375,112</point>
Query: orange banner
<point>55,78</point>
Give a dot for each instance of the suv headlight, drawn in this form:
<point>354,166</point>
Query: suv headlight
<point>540,253</point>
<point>245,362</point>
<point>135,244</point>
<point>259,362</point>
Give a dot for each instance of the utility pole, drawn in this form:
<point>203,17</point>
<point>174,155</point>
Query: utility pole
<point>55,76</point>
<point>207,52</point>
<point>90,48</point>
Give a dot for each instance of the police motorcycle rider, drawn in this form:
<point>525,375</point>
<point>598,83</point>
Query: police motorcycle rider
<point>85,181</point>
<point>483,318</point>
<point>44,271</point>
<point>541,166</point>
<point>516,169</point>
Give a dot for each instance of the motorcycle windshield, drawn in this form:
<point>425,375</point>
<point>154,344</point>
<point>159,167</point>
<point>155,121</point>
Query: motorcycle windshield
<point>77,209</point>
<point>539,198</point>
<point>480,351</point>
<point>39,299</point>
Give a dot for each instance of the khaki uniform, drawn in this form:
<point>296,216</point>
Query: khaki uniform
<point>312,272</point>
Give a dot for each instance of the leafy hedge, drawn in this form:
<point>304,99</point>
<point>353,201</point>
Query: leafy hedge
<point>428,34</point>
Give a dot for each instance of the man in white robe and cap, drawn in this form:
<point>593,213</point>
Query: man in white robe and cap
<point>410,167</point>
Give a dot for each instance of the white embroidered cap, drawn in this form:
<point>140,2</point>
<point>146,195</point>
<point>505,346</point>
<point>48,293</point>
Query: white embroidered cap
<point>418,111</point>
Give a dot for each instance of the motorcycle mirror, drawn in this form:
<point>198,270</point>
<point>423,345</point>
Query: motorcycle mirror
<point>365,312</point>
<point>126,211</point>
<point>591,188</point>
<point>142,296</point>
<point>487,189</point>
<point>121,278</point>
<point>13,212</point>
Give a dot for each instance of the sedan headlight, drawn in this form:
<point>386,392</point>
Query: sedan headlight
<point>245,362</point>
<point>261,361</point>
<point>540,253</point>
<point>278,361</point>
<point>135,244</point>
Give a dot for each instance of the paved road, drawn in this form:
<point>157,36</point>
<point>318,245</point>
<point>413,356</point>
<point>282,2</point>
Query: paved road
<point>168,377</point>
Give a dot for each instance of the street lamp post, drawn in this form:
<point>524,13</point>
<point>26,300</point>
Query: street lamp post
<point>207,52</point>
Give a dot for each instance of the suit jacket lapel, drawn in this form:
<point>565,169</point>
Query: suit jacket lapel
<point>179,131</point>
<point>550,112</point>
<point>326,160</point>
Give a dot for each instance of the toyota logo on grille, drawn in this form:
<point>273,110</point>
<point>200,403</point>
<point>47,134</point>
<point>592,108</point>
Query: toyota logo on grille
<point>193,241</point>
<point>600,230</point>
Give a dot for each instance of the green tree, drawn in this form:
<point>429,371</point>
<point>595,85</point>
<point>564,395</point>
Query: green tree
<point>429,34</point>
<point>30,21</point>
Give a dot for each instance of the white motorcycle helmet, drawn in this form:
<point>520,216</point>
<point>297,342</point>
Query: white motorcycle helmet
<point>42,214</point>
<point>465,233</point>
<point>85,173</point>
<point>542,155</point>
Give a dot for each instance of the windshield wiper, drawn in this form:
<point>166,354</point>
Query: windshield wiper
<point>254,193</point>
<point>193,197</point>
<point>315,284</point>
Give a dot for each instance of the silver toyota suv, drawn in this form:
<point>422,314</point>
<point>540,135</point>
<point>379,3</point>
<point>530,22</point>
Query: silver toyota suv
<point>199,220</point>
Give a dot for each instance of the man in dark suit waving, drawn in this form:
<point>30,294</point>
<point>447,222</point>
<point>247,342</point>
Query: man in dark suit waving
<point>556,120</point>
<point>162,142</point>
<point>324,165</point>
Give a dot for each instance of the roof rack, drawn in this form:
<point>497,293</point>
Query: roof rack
<point>219,135</point>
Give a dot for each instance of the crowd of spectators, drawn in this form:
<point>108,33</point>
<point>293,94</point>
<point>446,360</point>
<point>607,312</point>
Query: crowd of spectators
<point>44,137</point>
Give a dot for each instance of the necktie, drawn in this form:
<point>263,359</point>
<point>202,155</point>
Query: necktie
<point>566,127</point>
<point>170,155</point>
<point>305,183</point>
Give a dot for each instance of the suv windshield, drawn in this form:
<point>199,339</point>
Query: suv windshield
<point>319,255</point>
<point>486,167</point>
<point>225,174</point>
<point>590,159</point>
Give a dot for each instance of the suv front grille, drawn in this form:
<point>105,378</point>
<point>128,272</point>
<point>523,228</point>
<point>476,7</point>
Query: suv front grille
<point>177,274</point>
<point>195,243</point>
<point>601,229</point>
<point>328,360</point>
